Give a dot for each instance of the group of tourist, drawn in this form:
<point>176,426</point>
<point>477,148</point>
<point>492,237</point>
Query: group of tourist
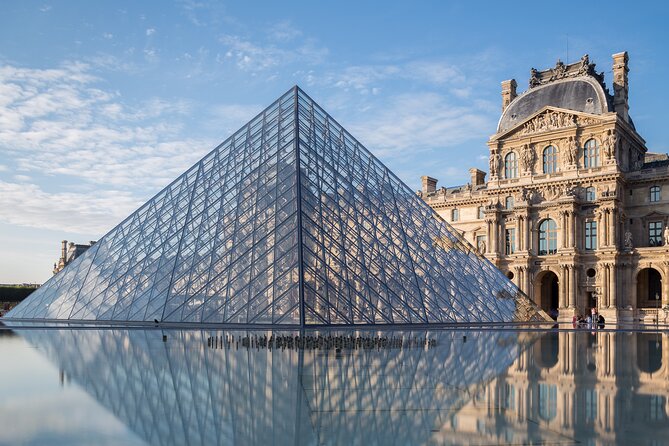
<point>593,320</point>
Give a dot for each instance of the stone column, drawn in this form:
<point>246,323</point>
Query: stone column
<point>605,228</point>
<point>572,286</point>
<point>564,279</point>
<point>565,229</point>
<point>613,299</point>
<point>528,231</point>
<point>488,244</point>
<point>613,240</point>
<point>571,218</point>
<point>521,233</point>
<point>605,280</point>
<point>665,285</point>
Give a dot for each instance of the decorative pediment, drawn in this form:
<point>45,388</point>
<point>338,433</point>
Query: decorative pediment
<point>549,119</point>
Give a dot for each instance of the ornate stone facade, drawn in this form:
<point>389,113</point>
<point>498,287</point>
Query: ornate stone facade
<point>575,209</point>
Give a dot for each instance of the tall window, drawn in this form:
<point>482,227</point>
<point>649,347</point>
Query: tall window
<point>590,194</point>
<point>590,235</point>
<point>455,214</point>
<point>481,212</point>
<point>655,193</point>
<point>547,401</point>
<point>547,237</point>
<point>510,165</point>
<point>590,405</point>
<point>590,154</point>
<point>550,159</point>
<point>510,241</point>
<point>655,233</point>
<point>509,203</point>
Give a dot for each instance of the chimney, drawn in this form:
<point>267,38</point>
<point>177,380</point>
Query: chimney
<point>508,92</point>
<point>477,177</point>
<point>429,184</point>
<point>63,250</point>
<point>620,85</point>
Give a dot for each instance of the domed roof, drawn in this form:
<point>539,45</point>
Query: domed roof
<point>582,94</point>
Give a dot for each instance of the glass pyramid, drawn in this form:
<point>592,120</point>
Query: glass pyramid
<point>289,221</point>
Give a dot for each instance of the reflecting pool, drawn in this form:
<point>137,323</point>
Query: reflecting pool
<point>479,387</point>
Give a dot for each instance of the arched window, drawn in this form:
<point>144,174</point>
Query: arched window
<point>508,203</point>
<point>547,401</point>
<point>510,165</point>
<point>455,214</point>
<point>550,159</point>
<point>590,194</point>
<point>547,237</point>
<point>590,154</point>
<point>655,193</point>
<point>481,212</point>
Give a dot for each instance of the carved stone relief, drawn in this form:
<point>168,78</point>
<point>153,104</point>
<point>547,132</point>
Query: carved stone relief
<point>609,143</point>
<point>571,152</point>
<point>528,158</point>
<point>552,120</point>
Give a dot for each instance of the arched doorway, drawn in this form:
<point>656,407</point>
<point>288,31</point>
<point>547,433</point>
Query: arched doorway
<point>649,352</point>
<point>546,350</point>
<point>648,288</point>
<point>547,293</point>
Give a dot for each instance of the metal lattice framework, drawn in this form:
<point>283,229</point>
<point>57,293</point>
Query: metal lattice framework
<point>289,221</point>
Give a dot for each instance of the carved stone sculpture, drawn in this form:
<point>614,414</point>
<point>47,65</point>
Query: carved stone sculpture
<point>666,235</point>
<point>495,163</point>
<point>534,78</point>
<point>572,151</point>
<point>610,143</point>
<point>528,158</point>
<point>481,247</point>
<point>629,244</point>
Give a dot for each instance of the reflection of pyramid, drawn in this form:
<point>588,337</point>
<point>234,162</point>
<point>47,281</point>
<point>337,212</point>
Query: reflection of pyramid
<point>289,221</point>
<point>182,392</point>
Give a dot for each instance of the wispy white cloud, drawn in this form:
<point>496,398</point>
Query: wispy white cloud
<point>255,55</point>
<point>29,205</point>
<point>283,32</point>
<point>410,123</point>
<point>150,31</point>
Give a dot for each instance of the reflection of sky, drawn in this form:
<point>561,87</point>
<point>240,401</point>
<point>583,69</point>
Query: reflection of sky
<point>36,409</point>
<point>181,391</point>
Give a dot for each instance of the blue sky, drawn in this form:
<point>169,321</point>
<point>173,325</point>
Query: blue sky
<point>103,104</point>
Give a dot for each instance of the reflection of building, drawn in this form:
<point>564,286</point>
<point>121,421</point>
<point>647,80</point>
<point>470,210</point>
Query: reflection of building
<point>597,388</point>
<point>575,209</point>
<point>69,252</point>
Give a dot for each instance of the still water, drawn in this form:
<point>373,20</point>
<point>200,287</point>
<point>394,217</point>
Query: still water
<point>436,387</point>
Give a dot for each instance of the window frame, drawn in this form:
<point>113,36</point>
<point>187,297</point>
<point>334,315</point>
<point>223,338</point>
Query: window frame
<point>509,203</point>
<point>510,166</point>
<point>455,214</point>
<point>510,241</point>
<point>549,158</point>
<point>591,154</point>
<point>655,194</point>
<point>480,212</point>
<point>590,193</point>
<point>655,230</point>
<point>590,235</point>
<point>547,237</point>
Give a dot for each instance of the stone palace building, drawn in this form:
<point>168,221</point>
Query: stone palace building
<point>575,208</point>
